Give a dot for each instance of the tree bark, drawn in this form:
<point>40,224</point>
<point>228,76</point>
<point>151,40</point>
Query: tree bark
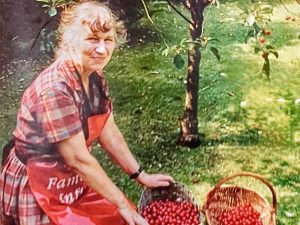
<point>189,135</point>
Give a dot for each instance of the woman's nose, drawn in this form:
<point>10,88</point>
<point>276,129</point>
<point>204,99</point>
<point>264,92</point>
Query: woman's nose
<point>101,49</point>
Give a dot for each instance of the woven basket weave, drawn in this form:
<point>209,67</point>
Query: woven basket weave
<point>224,197</point>
<point>174,192</point>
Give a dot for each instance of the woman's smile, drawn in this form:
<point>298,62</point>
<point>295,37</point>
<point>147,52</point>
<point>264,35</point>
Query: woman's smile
<point>98,59</point>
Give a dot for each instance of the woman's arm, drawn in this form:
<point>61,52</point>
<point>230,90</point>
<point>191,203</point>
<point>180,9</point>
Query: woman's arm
<point>113,142</point>
<point>75,153</point>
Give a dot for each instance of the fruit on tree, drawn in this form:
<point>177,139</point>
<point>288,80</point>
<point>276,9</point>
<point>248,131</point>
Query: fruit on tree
<point>262,40</point>
<point>267,32</point>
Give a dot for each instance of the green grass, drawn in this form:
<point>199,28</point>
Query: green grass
<point>149,95</point>
<point>251,123</point>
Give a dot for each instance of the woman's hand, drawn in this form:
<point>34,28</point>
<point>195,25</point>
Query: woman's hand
<point>131,216</point>
<point>154,180</point>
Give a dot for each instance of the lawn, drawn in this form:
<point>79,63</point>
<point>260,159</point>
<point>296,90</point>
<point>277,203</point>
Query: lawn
<point>250,123</point>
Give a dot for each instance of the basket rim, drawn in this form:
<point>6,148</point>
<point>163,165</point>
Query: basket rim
<point>221,183</point>
<point>235,186</point>
<point>207,211</point>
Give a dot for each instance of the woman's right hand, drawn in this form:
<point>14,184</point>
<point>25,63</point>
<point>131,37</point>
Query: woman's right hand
<point>131,216</point>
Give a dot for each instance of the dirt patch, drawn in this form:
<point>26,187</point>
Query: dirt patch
<point>288,9</point>
<point>20,23</point>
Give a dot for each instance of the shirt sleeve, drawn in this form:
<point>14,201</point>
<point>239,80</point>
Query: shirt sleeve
<point>57,115</point>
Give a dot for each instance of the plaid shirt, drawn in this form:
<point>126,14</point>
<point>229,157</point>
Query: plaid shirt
<point>52,109</point>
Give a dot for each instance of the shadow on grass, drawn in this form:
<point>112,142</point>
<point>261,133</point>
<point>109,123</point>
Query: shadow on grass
<point>246,138</point>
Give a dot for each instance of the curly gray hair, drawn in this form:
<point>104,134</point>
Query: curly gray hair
<point>89,17</point>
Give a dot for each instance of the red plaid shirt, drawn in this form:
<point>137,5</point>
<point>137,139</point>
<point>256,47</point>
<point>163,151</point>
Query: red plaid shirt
<point>52,108</point>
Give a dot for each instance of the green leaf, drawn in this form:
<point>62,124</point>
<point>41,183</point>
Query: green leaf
<point>251,33</point>
<point>256,50</point>
<point>197,42</point>
<point>212,39</point>
<point>269,47</point>
<point>289,214</point>
<point>61,2</point>
<point>215,51</point>
<point>52,11</point>
<point>256,28</point>
<point>159,3</point>
<point>178,61</point>
<point>147,11</point>
<point>275,54</point>
<point>44,1</point>
<point>182,42</point>
<point>244,5</point>
<point>265,9</point>
<point>165,52</point>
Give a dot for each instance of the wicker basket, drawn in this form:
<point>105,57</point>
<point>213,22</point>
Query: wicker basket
<point>224,197</point>
<point>173,192</point>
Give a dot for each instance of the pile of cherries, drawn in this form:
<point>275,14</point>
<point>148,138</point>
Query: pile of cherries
<point>240,215</point>
<point>167,212</point>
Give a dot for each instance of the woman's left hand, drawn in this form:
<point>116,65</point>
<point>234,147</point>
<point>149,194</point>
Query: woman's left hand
<point>154,180</point>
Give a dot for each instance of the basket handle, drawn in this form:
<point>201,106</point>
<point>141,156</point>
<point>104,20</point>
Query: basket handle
<point>249,174</point>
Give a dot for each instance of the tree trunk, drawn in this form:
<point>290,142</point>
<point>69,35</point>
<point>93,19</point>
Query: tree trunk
<point>189,135</point>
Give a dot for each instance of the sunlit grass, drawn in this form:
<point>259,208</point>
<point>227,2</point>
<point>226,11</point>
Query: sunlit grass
<point>246,117</point>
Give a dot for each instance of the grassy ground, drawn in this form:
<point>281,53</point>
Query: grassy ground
<point>251,123</point>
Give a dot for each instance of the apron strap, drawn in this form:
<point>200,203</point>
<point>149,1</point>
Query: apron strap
<point>87,110</point>
<point>6,150</point>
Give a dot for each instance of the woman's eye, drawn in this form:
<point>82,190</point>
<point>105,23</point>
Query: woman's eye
<point>92,39</point>
<point>108,40</point>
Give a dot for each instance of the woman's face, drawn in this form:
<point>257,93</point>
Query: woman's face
<point>96,50</point>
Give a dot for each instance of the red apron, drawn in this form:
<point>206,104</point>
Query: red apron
<point>61,193</point>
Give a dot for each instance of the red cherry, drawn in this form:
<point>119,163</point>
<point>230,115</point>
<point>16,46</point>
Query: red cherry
<point>262,40</point>
<point>240,215</point>
<point>267,32</point>
<point>171,213</point>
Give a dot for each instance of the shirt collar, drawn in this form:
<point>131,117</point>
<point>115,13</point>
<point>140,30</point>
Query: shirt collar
<point>73,76</point>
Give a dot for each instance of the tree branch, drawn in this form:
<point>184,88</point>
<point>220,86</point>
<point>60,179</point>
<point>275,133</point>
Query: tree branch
<point>287,8</point>
<point>146,10</point>
<point>176,10</point>
<point>38,34</point>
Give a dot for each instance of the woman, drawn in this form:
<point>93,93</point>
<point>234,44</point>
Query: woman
<point>50,177</point>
